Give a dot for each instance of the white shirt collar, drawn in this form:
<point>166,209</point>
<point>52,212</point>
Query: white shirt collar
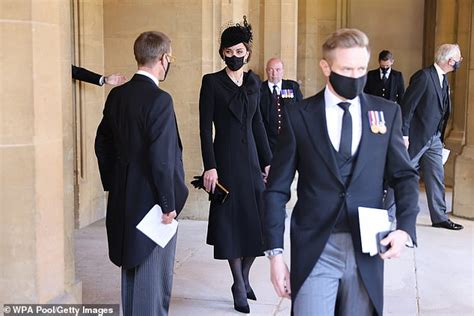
<point>332,100</point>
<point>334,115</point>
<point>271,84</point>
<point>149,75</point>
<point>387,73</point>
<point>439,70</point>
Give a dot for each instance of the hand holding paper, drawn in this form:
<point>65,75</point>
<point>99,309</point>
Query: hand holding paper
<point>167,218</point>
<point>372,221</point>
<point>397,241</point>
<point>154,228</point>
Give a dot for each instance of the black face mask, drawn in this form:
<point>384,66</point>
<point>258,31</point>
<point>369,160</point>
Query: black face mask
<point>384,70</point>
<point>166,72</point>
<point>456,65</point>
<point>347,87</point>
<point>234,63</point>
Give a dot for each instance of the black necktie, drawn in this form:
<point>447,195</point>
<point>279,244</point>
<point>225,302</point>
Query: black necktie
<point>384,75</point>
<point>275,93</point>
<point>445,82</point>
<point>445,89</point>
<point>346,131</point>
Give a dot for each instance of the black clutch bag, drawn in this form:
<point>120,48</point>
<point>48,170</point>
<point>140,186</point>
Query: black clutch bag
<point>220,194</point>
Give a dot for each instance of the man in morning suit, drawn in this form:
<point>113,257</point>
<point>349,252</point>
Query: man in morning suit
<point>342,155</point>
<point>140,161</point>
<point>276,94</point>
<point>385,81</point>
<point>82,74</point>
<point>426,107</point>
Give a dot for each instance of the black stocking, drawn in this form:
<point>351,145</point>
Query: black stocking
<point>246,265</point>
<point>238,289</point>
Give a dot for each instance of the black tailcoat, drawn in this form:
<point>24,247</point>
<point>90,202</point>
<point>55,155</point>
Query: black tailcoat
<point>424,110</point>
<point>140,162</point>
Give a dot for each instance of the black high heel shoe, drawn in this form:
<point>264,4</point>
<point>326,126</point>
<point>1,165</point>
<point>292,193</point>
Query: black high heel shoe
<point>240,307</point>
<point>251,295</point>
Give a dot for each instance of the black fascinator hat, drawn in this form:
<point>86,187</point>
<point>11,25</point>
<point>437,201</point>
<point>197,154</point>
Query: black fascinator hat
<point>236,34</point>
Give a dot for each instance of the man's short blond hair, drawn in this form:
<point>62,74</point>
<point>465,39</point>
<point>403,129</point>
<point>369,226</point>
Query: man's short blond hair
<point>344,38</point>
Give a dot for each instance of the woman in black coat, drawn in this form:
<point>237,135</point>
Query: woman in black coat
<point>238,158</point>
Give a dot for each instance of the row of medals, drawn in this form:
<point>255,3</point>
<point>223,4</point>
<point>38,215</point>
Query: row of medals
<point>377,122</point>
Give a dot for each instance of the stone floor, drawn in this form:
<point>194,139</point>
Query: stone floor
<point>434,279</point>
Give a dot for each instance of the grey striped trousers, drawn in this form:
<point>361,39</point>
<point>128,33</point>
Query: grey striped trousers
<point>146,288</point>
<point>334,286</point>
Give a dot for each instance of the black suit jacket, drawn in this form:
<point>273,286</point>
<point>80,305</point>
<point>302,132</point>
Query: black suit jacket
<point>140,162</point>
<point>423,109</point>
<point>266,103</point>
<point>305,147</point>
<point>83,74</point>
<point>375,85</point>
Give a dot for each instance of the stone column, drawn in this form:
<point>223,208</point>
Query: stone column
<point>452,17</point>
<point>280,31</point>
<point>233,11</point>
<point>316,20</point>
<point>463,195</point>
<point>36,216</point>
<point>88,106</point>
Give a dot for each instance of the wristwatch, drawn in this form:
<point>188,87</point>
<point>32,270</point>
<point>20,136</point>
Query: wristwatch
<point>273,252</point>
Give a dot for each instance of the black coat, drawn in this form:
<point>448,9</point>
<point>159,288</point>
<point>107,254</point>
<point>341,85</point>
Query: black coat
<point>423,109</point>
<point>269,114</point>
<point>239,152</point>
<point>305,147</point>
<point>140,162</point>
<point>396,85</point>
<point>83,74</point>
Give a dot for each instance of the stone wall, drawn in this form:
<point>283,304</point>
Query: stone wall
<point>36,217</point>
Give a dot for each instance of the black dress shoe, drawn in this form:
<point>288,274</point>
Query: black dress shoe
<point>243,309</point>
<point>448,225</point>
<point>251,295</point>
<point>240,300</point>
